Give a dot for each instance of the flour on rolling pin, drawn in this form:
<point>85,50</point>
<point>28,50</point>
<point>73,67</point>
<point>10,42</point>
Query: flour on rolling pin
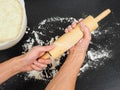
<point>43,34</point>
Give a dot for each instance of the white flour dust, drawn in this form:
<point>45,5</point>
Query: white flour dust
<point>49,30</point>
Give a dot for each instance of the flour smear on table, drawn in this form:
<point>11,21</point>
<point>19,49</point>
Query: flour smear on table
<point>46,32</point>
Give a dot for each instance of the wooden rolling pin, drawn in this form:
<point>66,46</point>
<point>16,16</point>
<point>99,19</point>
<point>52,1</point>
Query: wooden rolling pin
<point>67,40</point>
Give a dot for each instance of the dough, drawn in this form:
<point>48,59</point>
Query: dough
<point>11,16</point>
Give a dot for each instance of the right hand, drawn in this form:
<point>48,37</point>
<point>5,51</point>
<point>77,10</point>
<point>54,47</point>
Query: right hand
<point>82,45</point>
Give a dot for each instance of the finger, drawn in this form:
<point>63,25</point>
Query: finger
<point>80,20</point>
<point>37,64</point>
<point>66,30</point>
<point>46,48</point>
<point>41,54</point>
<point>39,50</point>
<point>42,48</point>
<point>71,49</point>
<point>40,65</point>
<point>36,68</point>
<point>86,31</point>
<point>76,21</point>
<point>43,65</point>
<point>81,40</point>
<point>73,24</point>
<point>69,28</point>
<point>47,61</point>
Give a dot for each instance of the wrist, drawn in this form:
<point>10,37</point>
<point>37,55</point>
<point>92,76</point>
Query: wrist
<point>76,55</point>
<point>18,64</point>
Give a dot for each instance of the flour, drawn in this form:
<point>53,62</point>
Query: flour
<point>47,31</point>
<point>95,58</point>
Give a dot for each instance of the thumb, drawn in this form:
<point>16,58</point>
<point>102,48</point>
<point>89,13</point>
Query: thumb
<point>46,48</point>
<point>38,51</point>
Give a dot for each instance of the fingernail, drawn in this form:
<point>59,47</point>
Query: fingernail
<point>66,30</point>
<point>80,19</point>
<point>73,24</point>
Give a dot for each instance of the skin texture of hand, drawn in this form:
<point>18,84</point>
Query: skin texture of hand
<point>82,45</point>
<point>26,62</point>
<point>33,58</point>
<point>66,78</point>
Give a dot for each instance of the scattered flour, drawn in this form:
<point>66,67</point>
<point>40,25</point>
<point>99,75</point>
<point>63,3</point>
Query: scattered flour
<point>49,30</point>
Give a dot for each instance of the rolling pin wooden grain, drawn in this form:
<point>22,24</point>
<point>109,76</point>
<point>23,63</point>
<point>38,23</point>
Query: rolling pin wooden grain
<point>67,40</point>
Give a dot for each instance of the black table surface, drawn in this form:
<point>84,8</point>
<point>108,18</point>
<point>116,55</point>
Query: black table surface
<point>106,77</point>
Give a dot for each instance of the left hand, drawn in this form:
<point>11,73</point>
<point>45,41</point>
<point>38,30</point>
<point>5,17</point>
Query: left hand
<point>32,58</point>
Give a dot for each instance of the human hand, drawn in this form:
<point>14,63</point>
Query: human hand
<point>82,45</point>
<point>68,73</point>
<point>33,60</point>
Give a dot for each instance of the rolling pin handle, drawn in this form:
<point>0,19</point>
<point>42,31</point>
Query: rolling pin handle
<point>102,15</point>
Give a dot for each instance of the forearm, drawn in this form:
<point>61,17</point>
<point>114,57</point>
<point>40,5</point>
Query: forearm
<point>65,79</point>
<point>10,68</point>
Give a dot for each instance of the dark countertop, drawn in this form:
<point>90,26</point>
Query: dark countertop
<point>107,76</point>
